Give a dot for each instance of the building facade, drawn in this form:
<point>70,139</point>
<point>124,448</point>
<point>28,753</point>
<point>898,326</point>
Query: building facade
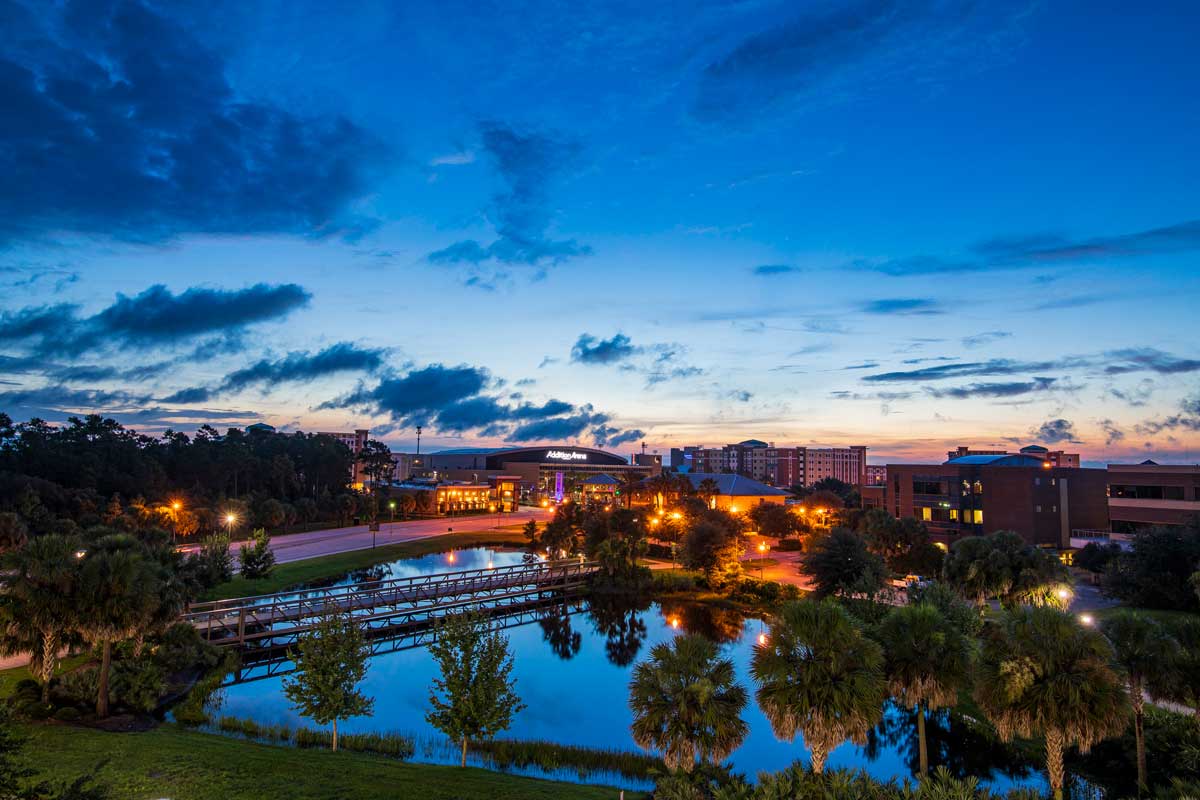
<point>355,441</point>
<point>876,474</point>
<point>1148,494</point>
<point>777,466</point>
<point>1057,458</point>
<point>979,494</point>
<point>543,471</point>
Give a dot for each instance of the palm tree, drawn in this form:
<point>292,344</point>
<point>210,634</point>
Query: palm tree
<point>927,660</point>
<point>38,603</point>
<point>818,675</point>
<point>687,703</point>
<point>1043,672</point>
<point>660,487</point>
<point>117,594</point>
<point>1145,653</point>
<point>1182,683</point>
<point>708,489</point>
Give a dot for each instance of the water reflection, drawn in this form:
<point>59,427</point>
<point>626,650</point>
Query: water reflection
<point>573,669</point>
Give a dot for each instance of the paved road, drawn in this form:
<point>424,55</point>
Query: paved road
<point>299,546</point>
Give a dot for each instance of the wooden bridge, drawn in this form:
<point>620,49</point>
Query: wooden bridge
<point>387,607</point>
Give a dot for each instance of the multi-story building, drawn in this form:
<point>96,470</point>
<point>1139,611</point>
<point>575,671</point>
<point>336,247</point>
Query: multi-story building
<point>876,474</point>
<point>1148,494</point>
<point>355,441</point>
<point>777,466</point>
<point>979,494</point>
<point>1057,458</point>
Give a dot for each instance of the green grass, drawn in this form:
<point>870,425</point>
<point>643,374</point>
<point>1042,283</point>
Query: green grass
<point>187,765</point>
<point>9,678</point>
<point>295,573</point>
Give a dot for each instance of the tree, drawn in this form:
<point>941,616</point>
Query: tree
<point>1181,684</point>
<point>118,591</point>
<point>903,543</point>
<point>1095,557</point>
<point>376,461</point>
<point>687,703</point>
<point>1002,566</point>
<point>927,660</point>
<point>347,505</point>
<point>1043,673</point>
<point>1156,571</point>
<point>818,675</point>
<point>1145,652</point>
<point>475,697</point>
<point>713,548</point>
<point>38,603</point>
<point>707,490</point>
<point>258,559</point>
<point>841,564</point>
<point>407,505</point>
<point>331,660</point>
<point>773,519</point>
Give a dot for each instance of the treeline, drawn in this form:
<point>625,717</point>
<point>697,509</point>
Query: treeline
<point>92,470</point>
<point>1161,568</point>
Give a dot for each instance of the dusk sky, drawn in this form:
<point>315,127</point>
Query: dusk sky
<point>904,225</point>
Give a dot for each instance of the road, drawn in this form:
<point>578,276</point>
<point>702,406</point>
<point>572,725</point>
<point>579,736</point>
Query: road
<point>299,546</point>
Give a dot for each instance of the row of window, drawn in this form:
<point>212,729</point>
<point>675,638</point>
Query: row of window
<point>1134,492</point>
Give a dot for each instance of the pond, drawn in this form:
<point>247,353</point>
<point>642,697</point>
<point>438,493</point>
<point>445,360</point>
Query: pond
<point>573,668</point>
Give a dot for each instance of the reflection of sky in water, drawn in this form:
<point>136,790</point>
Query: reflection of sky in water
<point>583,700</point>
<point>454,561</point>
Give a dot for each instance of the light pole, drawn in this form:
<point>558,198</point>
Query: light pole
<point>763,547</point>
<point>392,511</point>
<point>229,520</point>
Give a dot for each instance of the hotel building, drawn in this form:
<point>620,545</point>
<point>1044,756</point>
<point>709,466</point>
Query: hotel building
<point>777,466</point>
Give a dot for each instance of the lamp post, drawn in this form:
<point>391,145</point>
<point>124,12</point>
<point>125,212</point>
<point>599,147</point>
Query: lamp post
<point>230,519</point>
<point>392,511</point>
<point>763,547</point>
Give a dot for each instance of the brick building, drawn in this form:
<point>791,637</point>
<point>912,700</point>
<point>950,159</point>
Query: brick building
<point>777,466</point>
<point>1148,494</point>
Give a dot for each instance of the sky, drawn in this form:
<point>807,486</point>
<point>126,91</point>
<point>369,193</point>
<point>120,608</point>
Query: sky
<point>909,225</point>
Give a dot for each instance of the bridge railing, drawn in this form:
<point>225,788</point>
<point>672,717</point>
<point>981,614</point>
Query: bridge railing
<point>238,619</point>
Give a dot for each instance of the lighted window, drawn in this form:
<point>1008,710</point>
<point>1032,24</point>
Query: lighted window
<point>978,520</point>
<point>954,515</point>
<point>926,514</point>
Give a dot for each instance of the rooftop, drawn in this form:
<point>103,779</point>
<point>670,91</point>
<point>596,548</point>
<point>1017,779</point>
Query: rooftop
<point>997,461</point>
<point>734,485</point>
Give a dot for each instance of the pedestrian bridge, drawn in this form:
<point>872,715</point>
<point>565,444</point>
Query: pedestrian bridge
<point>385,608</point>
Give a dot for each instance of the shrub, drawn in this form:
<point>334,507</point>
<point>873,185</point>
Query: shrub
<point>79,687</point>
<point>193,711</point>
<point>790,545</point>
<point>27,686</point>
<point>258,559</point>
<point>68,714</point>
<point>138,683</point>
<point>35,709</point>
<point>183,648</point>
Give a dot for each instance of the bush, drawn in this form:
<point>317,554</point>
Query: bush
<point>192,711</point>
<point>68,714</point>
<point>27,686</point>
<point>35,709</point>
<point>767,592</point>
<point>258,559</point>
<point>183,648</point>
<point>79,687</point>
<point>1155,573</point>
<point>138,684</point>
<point>790,545</point>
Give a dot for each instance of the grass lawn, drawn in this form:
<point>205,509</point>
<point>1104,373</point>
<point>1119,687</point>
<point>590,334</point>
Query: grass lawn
<point>171,762</point>
<point>294,573</point>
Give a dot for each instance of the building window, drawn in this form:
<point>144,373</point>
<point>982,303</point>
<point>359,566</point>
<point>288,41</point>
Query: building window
<point>954,515</point>
<point>926,513</point>
<point>978,516</point>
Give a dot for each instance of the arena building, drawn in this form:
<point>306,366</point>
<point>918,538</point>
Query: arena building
<point>546,471</point>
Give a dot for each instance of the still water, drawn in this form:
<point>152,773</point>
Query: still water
<point>573,668</point>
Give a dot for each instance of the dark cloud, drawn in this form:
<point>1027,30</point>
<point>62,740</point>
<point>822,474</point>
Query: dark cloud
<point>304,366</point>
<point>1187,419</point>
<point>1056,430</point>
<point>419,394</point>
<point>977,390</point>
<point>775,269</point>
<point>195,394</point>
<point>986,337</point>
<point>528,162</point>
<point>863,365</point>
<point>590,350</point>
<point>625,437</point>
<point>1112,434</point>
<point>64,398</point>
<point>120,123</point>
<point>1148,359</point>
<point>902,305</point>
<point>972,369</point>
<point>556,428</point>
<point>152,318</point>
<point>741,395</point>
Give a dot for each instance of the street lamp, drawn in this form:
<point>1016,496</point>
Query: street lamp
<point>230,519</point>
<point>762,558</point>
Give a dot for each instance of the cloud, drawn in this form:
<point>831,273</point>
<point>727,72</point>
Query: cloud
<point>304,366</point>
<point>1079,301</point>
<point>970,369</point>
<point>1136,396</point>
<point>986,337</point>
<point>122,124</point>
<point>977,390</point>
<point>420,394</point>
<point>902,305</point>
<point>1039,249</point>
<point>1056,430</point>
<point>155,317</point>
<point>740,395</point>
<point>1187,419</point>
<point>1148,359</point>
<point>195,394</point>
<point>528,162</point>
<point>1112,434</point>
<point>556,428</point>
<point>454,159</point>
<point>590,350</point>
<point>863,365</point>
<point>767,270</point>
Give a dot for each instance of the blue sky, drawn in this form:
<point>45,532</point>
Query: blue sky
<point>908,225</point>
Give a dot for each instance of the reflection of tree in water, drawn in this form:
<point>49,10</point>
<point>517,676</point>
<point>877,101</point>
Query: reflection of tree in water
<point>370,575</point>
<point>720,625</point>
<point>617,618</point>
<point>557,631</point>
<point>952,743</point>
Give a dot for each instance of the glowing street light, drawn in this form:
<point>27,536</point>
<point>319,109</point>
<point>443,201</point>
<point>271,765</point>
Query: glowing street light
<point>763,547</point>
<point>230,520</point>
<point>1086,619</point>
<point>762,640</point>
<point>674,622</point>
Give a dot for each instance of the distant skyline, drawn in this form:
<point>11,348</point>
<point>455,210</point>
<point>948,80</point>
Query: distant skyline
<point>904,225</point>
